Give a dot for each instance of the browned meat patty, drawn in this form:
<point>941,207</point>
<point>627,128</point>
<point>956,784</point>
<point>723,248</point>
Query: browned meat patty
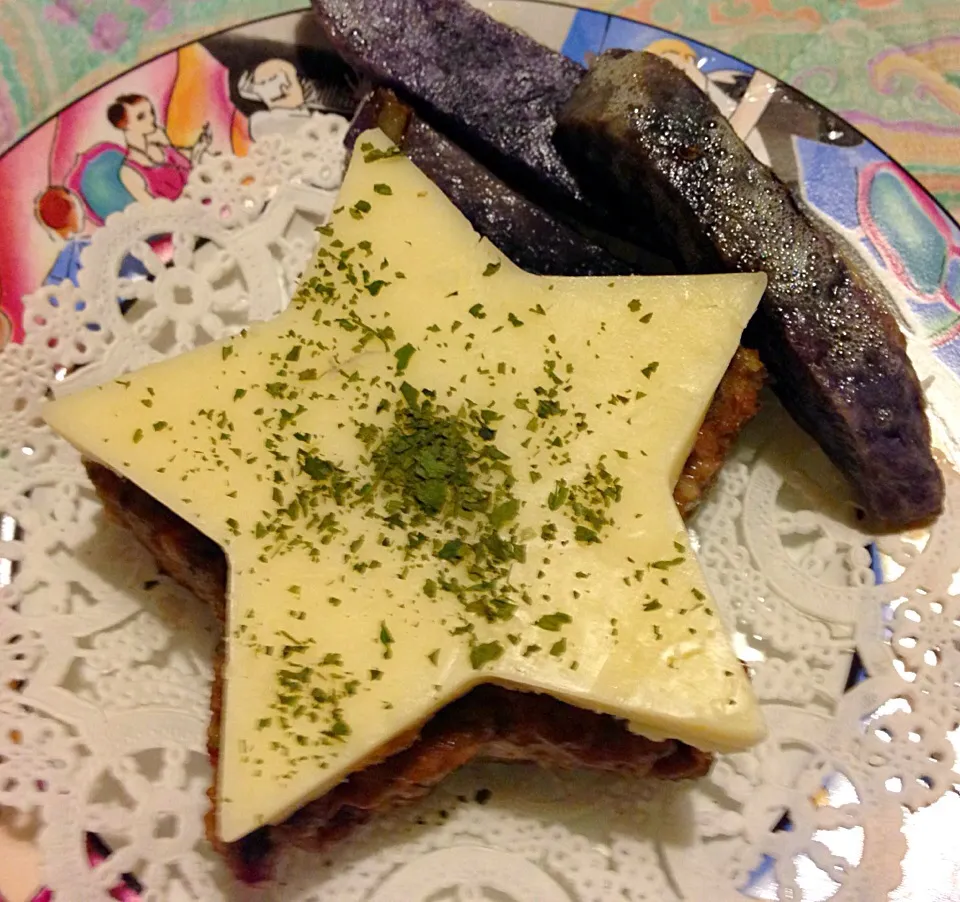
<point>734,405</point>
<point>489,722</point>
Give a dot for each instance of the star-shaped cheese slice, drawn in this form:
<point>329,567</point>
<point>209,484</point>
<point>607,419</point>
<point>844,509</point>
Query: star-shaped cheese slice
<point>433,471</point>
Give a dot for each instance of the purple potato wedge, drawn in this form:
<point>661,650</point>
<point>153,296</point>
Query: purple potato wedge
<point>493,90</point>
<point>530,236</point>
<point>647,142</point>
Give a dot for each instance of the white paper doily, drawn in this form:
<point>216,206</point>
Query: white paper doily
<point>105,665</point>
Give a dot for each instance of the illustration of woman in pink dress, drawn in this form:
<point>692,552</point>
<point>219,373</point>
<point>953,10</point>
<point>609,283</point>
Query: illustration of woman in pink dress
<point>152,167</point>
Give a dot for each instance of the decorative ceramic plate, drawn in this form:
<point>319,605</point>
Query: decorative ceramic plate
<point>105,664</point>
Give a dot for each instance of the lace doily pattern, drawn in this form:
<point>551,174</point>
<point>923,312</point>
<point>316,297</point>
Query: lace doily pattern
<point>105,664</point>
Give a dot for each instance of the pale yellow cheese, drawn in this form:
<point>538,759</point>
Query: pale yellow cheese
<point>342,637</point>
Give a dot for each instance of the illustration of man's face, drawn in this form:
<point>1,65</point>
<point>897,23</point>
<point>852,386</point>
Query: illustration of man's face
<point>141,118</point>
<point>278,85</point>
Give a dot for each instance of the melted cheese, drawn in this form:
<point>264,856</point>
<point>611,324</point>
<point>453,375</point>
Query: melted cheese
<point>353,614</point>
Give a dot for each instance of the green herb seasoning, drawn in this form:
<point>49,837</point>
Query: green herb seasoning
<point>486,653</point>
<point>554,622</point>
<point>386,640</point>
<point>373,154</point>
<point>403,356</point>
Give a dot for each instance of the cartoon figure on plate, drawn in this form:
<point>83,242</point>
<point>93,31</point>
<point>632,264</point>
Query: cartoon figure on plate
<point>108,178</point>
<point>61,212</point>
<point>153,166</point>
<point>290,100</point>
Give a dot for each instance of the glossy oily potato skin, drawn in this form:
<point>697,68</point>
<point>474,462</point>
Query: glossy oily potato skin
<point>644,140</point>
